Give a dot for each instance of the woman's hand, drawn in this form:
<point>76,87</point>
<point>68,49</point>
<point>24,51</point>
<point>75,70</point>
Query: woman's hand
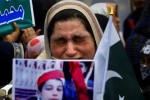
<point>29,34</point>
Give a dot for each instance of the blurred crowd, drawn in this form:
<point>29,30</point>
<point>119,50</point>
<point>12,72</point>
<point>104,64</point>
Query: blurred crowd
<point>30,43</point>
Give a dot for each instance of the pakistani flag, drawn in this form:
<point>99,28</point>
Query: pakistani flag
<point>114,76</point>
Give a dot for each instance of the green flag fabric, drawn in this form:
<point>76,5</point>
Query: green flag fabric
<point>119,79</point>
<point>19,11</point>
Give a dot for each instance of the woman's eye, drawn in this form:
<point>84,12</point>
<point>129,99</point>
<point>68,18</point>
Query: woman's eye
<point>78,39</point>
<point>60,41</point>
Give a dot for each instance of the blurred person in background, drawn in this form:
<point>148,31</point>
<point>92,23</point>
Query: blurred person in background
<point>105,9</point>
<point>136,41</point>
<point>131,20</point>
<point>145,69</point>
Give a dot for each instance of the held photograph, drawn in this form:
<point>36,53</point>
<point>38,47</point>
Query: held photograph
<point>53,79</point>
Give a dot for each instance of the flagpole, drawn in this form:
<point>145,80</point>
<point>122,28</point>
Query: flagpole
<point>107,61</point>
<point>110,30</point>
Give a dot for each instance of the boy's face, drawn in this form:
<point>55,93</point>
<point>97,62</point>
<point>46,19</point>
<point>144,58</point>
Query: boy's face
<point>52,90</point>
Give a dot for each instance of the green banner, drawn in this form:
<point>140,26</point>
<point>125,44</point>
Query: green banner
<point>19,11</point>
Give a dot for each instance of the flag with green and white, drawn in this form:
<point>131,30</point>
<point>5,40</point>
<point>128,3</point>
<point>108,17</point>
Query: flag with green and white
<point>114,76</point>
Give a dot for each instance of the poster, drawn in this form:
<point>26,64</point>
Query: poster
<point>19,11</point>
<point>31,74</point>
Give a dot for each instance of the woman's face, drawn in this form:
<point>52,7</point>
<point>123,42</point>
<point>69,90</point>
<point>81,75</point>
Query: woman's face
<point>70,40</point>
<point>52,90</point>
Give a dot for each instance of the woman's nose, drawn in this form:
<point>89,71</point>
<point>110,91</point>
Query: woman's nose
<point>70,52</point>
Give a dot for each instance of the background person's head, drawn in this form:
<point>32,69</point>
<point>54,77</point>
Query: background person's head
<point>145,54</point>
<point>50,85</point>
<point>145,61</point>
<point>138,3</point>
<point>71,31</point>
<point>105,9</point>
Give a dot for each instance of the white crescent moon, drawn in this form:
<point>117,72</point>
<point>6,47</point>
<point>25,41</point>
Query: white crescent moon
<point>111,74</point>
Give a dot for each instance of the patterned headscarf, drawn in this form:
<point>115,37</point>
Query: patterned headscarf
<point>146,48</point>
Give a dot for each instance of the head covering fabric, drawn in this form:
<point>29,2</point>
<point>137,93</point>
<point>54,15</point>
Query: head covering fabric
<point>100,8</point>
<point>104,8</point>
<point>79,6</point>
<point>146,48</point>
<point>35,47</point>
